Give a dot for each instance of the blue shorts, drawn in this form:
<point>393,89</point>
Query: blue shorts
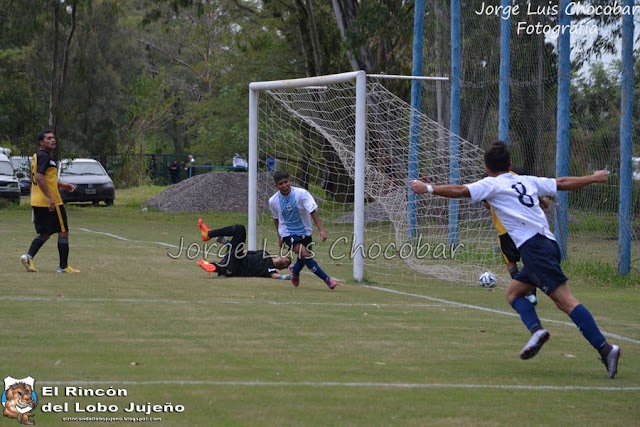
<point>541,258</point>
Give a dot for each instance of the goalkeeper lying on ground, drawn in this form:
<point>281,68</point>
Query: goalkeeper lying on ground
<point>237,262</point>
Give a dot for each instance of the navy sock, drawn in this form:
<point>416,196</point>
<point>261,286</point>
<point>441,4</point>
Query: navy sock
<point>527,313</point>
<point>299,265</point>
<point>587,325</point>
<point>63,250</point>
<point>36,245</point>
<point>315,268</point>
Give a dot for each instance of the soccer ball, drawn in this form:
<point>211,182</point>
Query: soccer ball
<point>488,280</point>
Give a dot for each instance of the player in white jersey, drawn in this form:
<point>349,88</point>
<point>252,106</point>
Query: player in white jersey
<point>515,199</point>
<point>293,209</point>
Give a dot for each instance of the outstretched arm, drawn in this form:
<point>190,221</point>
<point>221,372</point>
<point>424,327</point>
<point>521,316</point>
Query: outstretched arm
<point>281,276</point>
<point>451,191</point>
<point>566,183</point>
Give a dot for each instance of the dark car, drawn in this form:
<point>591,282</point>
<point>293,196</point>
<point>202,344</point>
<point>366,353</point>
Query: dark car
<point>9,188</point>
<point>22,167</point>
<point>93,183</point>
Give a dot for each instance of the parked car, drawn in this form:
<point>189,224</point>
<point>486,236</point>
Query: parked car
<point>93,183</point>
<point>9,187</point>
<point>22,168</point>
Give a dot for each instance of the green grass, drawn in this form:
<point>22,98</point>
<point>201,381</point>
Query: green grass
<point>246,352</point>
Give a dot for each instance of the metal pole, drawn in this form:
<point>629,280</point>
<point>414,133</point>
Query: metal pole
<point>454,126</point>
<point>414,119</point>
<point>360,164</point>
<point>253,170</point>
<point>505,73</point>
<point>562,127</point>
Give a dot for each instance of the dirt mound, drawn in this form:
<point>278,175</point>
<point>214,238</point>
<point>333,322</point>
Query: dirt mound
<point>214,191</point>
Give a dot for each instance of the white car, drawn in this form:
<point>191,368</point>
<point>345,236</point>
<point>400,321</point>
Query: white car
<point>635,168</point>
<point>93,183</point>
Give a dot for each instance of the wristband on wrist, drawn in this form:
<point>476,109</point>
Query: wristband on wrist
<point>429,188</point>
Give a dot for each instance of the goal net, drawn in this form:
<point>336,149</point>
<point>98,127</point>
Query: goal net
<point>310,128</point>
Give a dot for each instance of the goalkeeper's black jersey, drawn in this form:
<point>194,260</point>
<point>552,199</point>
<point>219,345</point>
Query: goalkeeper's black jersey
<point>256,264</point>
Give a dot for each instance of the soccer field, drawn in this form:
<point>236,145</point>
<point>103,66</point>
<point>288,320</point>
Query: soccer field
<point>175,344</point>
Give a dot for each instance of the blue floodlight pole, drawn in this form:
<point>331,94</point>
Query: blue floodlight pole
<point>454,122</point>
<point>414,128</point>
<point>505,71</point>
<point>626,123</point>
<point>562,127</point>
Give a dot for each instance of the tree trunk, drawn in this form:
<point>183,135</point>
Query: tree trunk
<point>65,57</point>
<point>342,27</point>
<point>304,32</point>
<point>53,83</point>
<point>313,36</point>
<point>345,12</point>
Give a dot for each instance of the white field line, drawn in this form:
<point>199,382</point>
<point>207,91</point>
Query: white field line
<point>490,310</point>
<point>338,384</point>
<point>115,236</point>
<point>393,291</point>
<point>212,302</point>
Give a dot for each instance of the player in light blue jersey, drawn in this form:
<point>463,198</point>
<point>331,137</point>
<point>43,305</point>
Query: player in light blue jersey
<point>515,199</point>
<point>293,211</point>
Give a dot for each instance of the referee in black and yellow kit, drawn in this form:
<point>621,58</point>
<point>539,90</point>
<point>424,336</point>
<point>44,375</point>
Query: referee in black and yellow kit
<point>49,215</point>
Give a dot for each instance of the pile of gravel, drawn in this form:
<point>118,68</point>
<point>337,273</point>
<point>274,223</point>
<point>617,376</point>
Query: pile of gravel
<point>214,191</point>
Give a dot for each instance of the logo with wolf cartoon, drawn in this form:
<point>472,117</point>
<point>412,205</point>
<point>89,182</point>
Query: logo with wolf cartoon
<point>19,399</point>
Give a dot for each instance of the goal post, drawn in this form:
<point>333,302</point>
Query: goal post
<point>360,102</point>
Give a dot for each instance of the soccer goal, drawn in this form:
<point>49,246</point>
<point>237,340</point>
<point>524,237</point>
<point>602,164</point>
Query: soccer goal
<point>349,140</point>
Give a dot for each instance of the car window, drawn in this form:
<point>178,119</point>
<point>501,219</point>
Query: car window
<point>21,164</point>
<point>82,168</point>
<point>6,168</point>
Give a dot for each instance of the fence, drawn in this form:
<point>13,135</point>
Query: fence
<point>158,167</point>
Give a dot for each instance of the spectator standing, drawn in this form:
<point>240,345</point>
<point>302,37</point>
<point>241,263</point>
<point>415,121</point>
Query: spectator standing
<point>189,165</point>
<point>153,167</point>
<point>271,165</point>
<point>174,172</point>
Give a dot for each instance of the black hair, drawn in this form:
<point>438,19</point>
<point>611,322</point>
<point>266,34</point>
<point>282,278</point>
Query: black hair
<point>498,158</point>
<point>279,175</point>
<point>43,133</point>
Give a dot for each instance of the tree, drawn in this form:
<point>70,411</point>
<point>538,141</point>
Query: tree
<point>106,64</point>
<point>22,103</point>
<point>59,64</point>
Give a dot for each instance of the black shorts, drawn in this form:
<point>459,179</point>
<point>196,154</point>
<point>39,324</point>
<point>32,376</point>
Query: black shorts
<point>47,222</point>
<point>509,251</point>
<point>291,241</point>
<point>541,257</point>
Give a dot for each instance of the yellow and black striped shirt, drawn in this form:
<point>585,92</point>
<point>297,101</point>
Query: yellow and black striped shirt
<point>44,164</point>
